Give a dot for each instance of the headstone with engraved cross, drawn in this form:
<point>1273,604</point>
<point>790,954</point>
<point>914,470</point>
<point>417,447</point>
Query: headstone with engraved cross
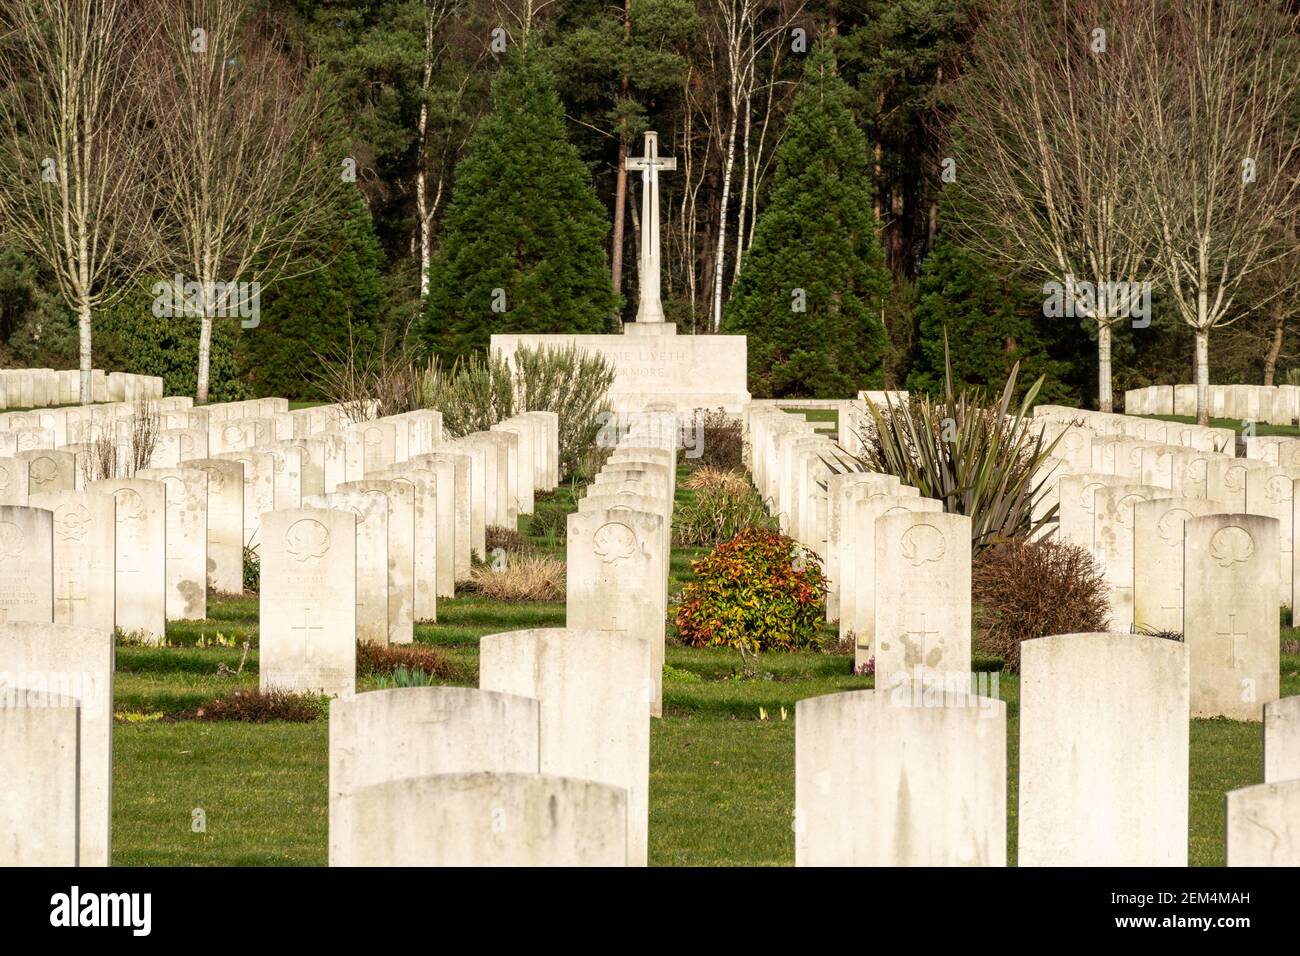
<point>1231,620</point>
<point>615,580</point>
<point>1158,560</point>
<point>922,597</point>
<point>141,554</point>
<point>308,601</point>
<point>84,547</point>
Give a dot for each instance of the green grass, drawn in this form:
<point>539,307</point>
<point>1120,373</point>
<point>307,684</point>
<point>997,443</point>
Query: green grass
<point>721,779</point>
<point>1262,429</point>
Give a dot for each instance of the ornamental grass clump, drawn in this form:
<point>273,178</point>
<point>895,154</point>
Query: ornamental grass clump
<point>759,591</point>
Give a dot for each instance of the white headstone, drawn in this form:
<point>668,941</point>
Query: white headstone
<point>26,564</point>
<point>74,663</point>
<point>489,819</point>
<point>308,601</point>
<point>1231,621</point>
<point>923,624</point>
<point>1282,739</point>
<point>594,724</point>
<point>1103,751</point>
<point>1264,825</point>
<point>885,780</point>
<point>85,537</point>
<point>141,555</point>
<point>417,731</point>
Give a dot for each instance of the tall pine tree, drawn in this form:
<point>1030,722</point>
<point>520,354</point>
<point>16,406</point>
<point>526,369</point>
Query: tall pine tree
<point>810,291</point>
<point>523,242</point>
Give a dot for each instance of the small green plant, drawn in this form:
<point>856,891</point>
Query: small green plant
<point>406,677</point>
<point>678,675</point>
<point>759,591</point>
<point>252,569</point>
<point>549,521</point>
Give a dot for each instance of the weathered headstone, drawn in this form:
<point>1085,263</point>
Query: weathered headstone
<point>1231,620</point>
<point>593,690</point>
<point>308,601</point>
<point>140,600</point>
<point>85,536</point>
<point>26,564</point>
<point>1103,751</point>
<point>417,731</point>
<point>1264,825</point>
<point>187,540</point>
<point>1282,739</point>
<point>225,522</point>
<point>488,819</point>
<point>881,780</point>
<point>371,557</point>
<point>1158,584</point>
<point>923,624</point>
<point>399,499</point>
<point>1113,545</point>
<point>39,748</point>
<point>72,663</point>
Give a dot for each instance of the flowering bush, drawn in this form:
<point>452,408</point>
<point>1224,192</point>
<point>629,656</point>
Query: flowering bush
<point>759,591</point>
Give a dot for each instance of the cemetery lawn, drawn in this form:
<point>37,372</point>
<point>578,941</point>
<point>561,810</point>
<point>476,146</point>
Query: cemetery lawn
<point>721,776</point>
<point>1262,429</point>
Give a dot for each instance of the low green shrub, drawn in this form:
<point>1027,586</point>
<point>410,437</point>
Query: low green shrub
<point>759,591</point>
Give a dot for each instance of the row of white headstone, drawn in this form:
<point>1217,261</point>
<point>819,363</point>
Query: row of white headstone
<point>43,387</point>
<point>150,551</point>
<point>1274,404</point>
<point>547,763</point>
<point>1189,539</point>
<point>368,558</point>
<point>917,776</point>
<point>897,567</point>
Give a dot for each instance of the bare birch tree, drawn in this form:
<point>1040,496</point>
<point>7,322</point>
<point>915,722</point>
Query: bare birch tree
<point>1047,151</point>
<point>72,184</point>
<point>744,33</point>
<point>1223,164</point>
<point>247,171</point>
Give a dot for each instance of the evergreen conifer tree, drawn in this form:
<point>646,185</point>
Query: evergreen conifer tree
<point>523,242</point>
<point>810,290</point>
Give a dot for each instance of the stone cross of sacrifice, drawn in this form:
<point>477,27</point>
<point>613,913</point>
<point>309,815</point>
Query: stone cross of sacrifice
<point>650,309</point>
